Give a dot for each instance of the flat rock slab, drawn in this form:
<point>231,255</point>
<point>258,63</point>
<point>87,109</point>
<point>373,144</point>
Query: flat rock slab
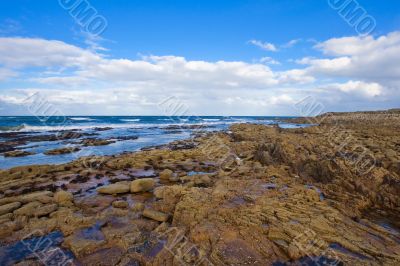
<point>118,188</point>
<point>4,209</point>
<point>155,215</point>
<point>142,185</point>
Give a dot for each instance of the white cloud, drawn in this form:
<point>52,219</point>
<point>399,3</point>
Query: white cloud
<point>299,76</point>
<point>58,97</point>
<point>362,58</point>
<point>359,71</point>
<point>74,66</point>
<point>28,52</point>
<point>6,73</point>
<point>12,99</point>
<point>264,45</point>
<point>291,43</point>
<point>260,102</point>
<point>368,90</point>
<point>63,81</point>
<point>282,99</point>
<point>269,61</point>
<point>351,46</point>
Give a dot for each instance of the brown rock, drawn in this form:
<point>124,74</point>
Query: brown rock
<point>6,217</point>
<point>166,174</point>
<point>17,153</point>
<point>4,209</point>
<point>85,241</point>
<point>45,210</point>
<point>41,196</point>
<point>142,185</point>
<point>103,257</point>
<point>28,209</point>
<point>120,204</point>
<point>62,151</point>
<point>117,188</point>
<point>138,207</point>
<point>63,197</point>
<point>155,215</point>
<point>96,142</point>
<point>293,252</point>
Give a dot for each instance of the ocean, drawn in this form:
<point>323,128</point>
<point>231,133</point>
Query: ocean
<point>28,133</point>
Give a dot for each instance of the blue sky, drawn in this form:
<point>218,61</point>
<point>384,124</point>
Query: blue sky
<point>248,57</point>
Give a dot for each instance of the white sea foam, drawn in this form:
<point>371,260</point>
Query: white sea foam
<point>81,119</point>
<point>30,128</point>
<point>211,119</point>
<point>130,120</point>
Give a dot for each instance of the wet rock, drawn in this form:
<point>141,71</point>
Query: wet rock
<point>117,188</point>
<point>7,208</point>
<point>94,204</point>
<point>17,153</point>
<point>8,146</point>
<point>126,137</point>
<point>66,135</point>
<point>239,252</point>
<point>104,257</point>
<point>155,215</point>
<point>181,145</point>
<point>102,128</point>
<point>120,204</point>
<point>142,185</point>
<point>96,142</point>
<point>85,241</point>
<point>62,151</point>
<point>255,214</point>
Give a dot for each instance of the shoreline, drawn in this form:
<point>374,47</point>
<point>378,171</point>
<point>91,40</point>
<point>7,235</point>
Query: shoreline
<point>101,136</point>
<point>254,194</point>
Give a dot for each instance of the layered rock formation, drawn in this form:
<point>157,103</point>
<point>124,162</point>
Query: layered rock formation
<point>254,195</point>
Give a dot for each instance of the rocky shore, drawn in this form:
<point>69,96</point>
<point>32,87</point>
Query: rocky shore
<point>254,195</point>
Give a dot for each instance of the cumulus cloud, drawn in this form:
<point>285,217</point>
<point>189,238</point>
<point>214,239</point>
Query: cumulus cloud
<point>29,52</point>
<point>368,90</point>
<point>363,58</point>
<point>356,70</point>
<point>296,76</point>
<point>174,71</point>
<point>257,101</point>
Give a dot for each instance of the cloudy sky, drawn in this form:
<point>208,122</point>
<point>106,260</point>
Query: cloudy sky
<point>218,57</point>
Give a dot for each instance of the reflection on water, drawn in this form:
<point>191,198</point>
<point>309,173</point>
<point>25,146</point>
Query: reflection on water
<point>45,249</point>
